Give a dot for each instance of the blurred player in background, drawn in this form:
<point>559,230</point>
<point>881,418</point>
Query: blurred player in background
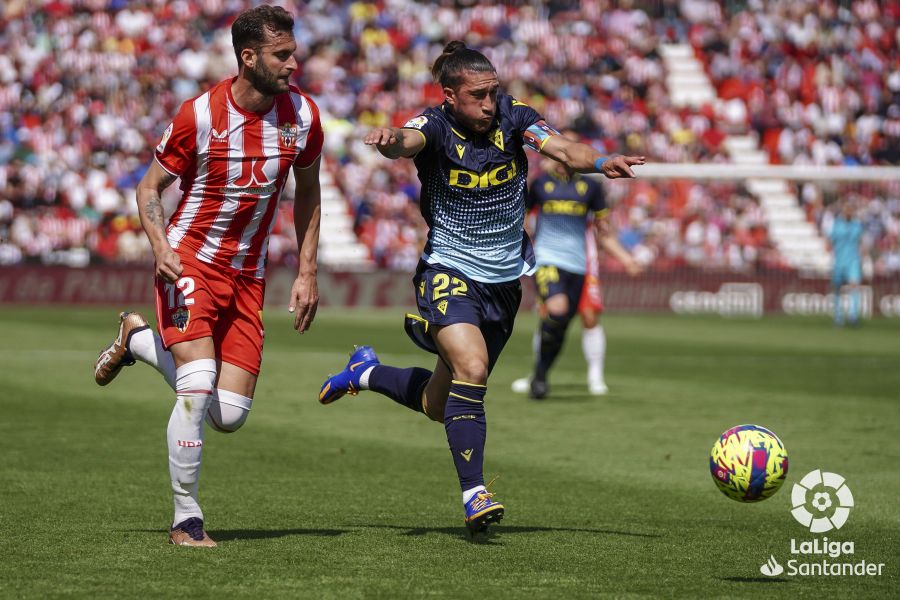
<point>570,220</point>
<point>469,153</point>
<point>233,148</point>
<point>846,238</point>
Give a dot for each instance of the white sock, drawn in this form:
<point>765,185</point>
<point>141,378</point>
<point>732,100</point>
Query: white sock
<point>593,343</point>
<point>146,346</point>
<point>228,411</point>
<point>194,390</point>
<point>364,379</point>
<point>467,495</point>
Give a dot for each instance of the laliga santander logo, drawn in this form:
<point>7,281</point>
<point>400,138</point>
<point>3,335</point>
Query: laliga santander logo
<point>822,502</point>
<point>829,491</point>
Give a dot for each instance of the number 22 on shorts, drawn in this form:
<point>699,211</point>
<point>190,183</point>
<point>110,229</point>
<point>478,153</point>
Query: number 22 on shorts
<point>442,281</point>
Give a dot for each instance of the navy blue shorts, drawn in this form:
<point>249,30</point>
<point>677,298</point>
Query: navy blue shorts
<point>445,296</point>
<point>552,280</point>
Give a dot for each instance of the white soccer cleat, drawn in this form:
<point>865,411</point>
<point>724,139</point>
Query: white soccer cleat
<point>598,388</point>
<point>521,386</point>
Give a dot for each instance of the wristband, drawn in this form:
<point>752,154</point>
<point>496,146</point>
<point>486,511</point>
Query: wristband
<point>598,164</point>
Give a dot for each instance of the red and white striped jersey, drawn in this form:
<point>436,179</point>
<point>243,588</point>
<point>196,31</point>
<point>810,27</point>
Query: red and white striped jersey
<point>233,165</point>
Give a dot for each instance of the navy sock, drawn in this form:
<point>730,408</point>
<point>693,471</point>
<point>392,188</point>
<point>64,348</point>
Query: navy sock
<point>403,386</point>
<point>553,332</point>
<point>466,429</point>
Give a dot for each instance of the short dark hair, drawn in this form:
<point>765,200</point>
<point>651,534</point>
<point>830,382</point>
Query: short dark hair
<point>449,68</point>
<point>249,29</point>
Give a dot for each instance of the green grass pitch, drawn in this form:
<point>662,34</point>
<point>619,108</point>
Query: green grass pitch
<point>605,496</point>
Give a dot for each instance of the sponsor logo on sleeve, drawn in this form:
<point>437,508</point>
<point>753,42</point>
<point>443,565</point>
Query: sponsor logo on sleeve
<point>416,122</point>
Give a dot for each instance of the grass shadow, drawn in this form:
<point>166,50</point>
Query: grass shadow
<point>565,392</point>
<point>225,535</point>
<point>261,534</point>
<point>499,531</point>
<point>756,579</point>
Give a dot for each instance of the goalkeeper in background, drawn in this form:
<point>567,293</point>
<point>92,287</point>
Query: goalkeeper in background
<point>846,238</point>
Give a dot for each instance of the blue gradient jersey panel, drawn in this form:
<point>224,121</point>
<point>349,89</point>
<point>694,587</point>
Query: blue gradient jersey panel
<point>846,236</point>
<point>473,191</point>
<point>564,209</point>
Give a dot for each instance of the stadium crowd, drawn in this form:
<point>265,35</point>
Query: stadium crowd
<point>87,87</point>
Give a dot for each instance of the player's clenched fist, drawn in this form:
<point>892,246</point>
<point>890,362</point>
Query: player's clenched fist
<point>168,265</point>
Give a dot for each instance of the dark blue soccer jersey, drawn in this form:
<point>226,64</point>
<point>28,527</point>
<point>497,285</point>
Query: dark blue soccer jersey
<point>473,192</point>
<point>564,209</point>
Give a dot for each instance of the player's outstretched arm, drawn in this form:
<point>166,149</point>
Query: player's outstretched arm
<point>394,142</point>
<point>609,241</point>
<point>307,213</point>
<point>585,159</point>
<point>149,193</point>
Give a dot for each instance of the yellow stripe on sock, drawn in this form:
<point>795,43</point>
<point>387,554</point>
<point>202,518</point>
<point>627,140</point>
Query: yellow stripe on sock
<point>474,401</point>
<point>458,382</point>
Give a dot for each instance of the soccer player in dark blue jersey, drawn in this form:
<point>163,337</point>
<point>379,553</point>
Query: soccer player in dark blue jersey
<point>565,205</point>
<point>469,152</point>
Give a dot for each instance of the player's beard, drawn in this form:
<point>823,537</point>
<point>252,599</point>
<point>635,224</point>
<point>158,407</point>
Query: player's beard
<point>266,81</point>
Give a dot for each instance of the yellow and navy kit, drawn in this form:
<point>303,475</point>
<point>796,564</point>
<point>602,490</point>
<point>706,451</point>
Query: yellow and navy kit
<point>564,210</point>
<point>473,190</point>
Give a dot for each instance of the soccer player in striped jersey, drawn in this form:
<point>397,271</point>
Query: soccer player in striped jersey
<point>233,147</point>
<point>470,157</point>
<point>571,218</point>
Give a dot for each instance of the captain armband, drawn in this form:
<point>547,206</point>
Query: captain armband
<point>537,135</point>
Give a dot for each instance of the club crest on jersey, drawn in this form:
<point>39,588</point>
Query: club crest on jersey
<point>417,122</point>
<point>497,139</point>
<point>289,132</point>
<point>180,319</point>
<point>581,187</point>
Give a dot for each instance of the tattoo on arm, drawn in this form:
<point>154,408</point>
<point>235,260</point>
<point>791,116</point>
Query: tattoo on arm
<point>152,206</point>
<point>155,212</point>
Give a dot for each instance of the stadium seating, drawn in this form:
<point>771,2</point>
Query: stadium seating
<point>690,82</point>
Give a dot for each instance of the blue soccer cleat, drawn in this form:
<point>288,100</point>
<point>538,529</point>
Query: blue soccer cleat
<point>481,511</point>
<point>347,381</point>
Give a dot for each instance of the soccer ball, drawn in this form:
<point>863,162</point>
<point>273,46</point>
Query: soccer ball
<point>748,463</point>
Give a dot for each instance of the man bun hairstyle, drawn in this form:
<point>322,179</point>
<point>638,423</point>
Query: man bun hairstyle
<point>249,29</point>
<point>451,65</point>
